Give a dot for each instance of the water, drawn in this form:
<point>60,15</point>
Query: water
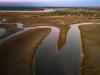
<point>24,29</point>
<point>47,61</point>
<point>67,62</point>
<point>71,52</point>
<point>2,31</point>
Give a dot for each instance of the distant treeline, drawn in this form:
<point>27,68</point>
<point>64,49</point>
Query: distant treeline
<point>73,12</point>
<point>42,8</point>
<point>21,8</point>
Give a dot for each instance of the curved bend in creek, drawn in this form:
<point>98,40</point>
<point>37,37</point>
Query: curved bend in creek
<point>47,61</point>
<point>24,29</point>
<point>67,62</point>
<point>2,31</point>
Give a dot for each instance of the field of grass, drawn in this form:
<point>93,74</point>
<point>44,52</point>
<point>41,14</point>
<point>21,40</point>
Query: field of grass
<point>17,53</point>
<point>91,49</point>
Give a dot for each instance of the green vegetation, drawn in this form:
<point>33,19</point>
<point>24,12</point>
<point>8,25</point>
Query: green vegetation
<point>74,12</point>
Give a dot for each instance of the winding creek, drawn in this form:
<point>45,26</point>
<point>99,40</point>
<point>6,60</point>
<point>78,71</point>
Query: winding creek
<point>47,61</point>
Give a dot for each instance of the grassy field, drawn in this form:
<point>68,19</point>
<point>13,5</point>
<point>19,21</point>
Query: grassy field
<point>91,49</point>
<point>17,53</point>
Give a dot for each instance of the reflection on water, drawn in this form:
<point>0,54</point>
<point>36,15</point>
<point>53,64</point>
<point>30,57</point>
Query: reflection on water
<point>67,62</point>
<point>46,59</point>
<point>71,52</point>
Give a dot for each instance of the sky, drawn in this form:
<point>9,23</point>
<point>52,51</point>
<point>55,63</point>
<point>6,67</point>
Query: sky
<point>58,3</point>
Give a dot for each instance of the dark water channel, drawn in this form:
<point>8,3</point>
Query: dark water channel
<point>67,62</point>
